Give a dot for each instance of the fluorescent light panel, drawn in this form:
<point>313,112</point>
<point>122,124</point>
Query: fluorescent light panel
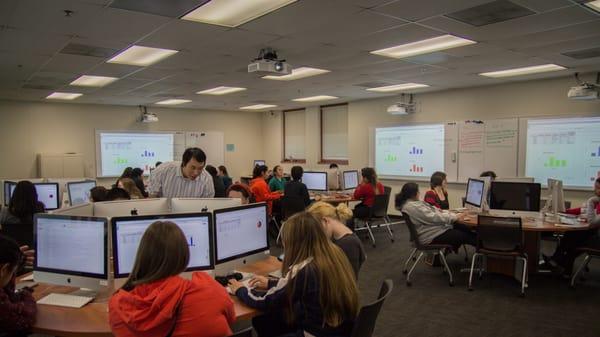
<point>63,95</point>
<point>297,74</point>
<point>424,46</point>
<point>233,13</point>
<point>398,87</point>
<point>258,107</point>
<point>93,81</point>
<point>173,101</point>
<point>220,91</point>
<point>141,56</point>
<point>523,71</point>
<point>315,98</point>
<point>595,5</point>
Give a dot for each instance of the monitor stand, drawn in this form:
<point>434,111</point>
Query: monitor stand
<point>84,292</point>
<point>229,267</point>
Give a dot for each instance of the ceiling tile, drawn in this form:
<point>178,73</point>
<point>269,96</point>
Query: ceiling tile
<point>71,63</point>
<point>408,10</point>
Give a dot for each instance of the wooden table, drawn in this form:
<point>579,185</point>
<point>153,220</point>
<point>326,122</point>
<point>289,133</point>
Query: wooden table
<point>92,319</point>
<point>334,198</point>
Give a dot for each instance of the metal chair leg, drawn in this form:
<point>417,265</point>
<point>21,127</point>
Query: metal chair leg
<point>581,267</point>
<point>473,260</point>
<point>370,232</point>
<point>410,257</point>
<point>466,254</point>
<point>387,226</point>
<point>443,258</point>
<point>408,283</point>
<point>524,277</point>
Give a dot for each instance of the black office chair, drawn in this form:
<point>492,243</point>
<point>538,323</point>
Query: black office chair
<point>365,322</point>
<point>244,333</point>
<point>436,249</point>
<point>499,237</point>
<point>290,205</point>
<point>378,212</point>
<point>589,253</point>
<point>22,233</point>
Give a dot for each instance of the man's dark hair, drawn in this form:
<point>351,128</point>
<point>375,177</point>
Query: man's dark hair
<point>117,193</point>
<point>157,164</point>
<point>297,173</point>
<point>259,170</point>
<point>193,152</point>
<point>211,170</point>
<point>333,165</point>
<point>490,174</point>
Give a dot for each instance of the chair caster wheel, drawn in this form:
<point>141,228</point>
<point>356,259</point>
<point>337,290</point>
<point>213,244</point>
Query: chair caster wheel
<point>374,246</point>
<point>451,284</point>
<point>522,295</point>
<point>470,289</point>
<point>405,272</point>
<point>408,283</point>
<point>392,240</point>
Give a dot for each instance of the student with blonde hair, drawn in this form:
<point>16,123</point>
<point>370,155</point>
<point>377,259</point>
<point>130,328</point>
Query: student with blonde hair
<point>333,220</point>
<point>318,294</point>
<point>129,185</point>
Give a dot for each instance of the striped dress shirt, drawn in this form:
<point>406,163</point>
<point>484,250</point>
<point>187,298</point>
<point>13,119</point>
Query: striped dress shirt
<point>167,181</point>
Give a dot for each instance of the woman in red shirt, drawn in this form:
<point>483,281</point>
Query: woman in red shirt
<point>260,189</point>
<point>157,302</point>
<point>366,191</point>
<point>437,196</point>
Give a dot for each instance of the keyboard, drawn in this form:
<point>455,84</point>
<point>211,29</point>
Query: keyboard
<point>65,300</point>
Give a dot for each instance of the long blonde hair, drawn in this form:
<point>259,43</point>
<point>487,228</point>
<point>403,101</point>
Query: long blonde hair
<point>131,188</point>
<point>323,209</point>
<point>303,238</point>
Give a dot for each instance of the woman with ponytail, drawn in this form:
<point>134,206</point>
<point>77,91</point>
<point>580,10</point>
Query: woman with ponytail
<point>366,192</point>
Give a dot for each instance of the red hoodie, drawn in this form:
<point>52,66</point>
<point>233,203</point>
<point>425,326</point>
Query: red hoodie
<point>148,310</point>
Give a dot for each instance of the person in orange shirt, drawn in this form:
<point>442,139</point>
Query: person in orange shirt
<point>156,302</point>
<point>260,189</point>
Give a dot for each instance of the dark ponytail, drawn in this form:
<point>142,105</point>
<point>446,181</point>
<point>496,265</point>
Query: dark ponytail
<point>409,191</point>
<point>370,175</point>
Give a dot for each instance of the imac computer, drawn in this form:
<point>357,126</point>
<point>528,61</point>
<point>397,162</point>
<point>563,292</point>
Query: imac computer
<point>515,199</point>
<point>315,181</point>
<point>350,179</point>
<point>187,205</point>
<point>48,195</point>
<point>9,187</point>
<point>555,202</point>
<point>71,251</point>
<point>240,236</point>
<point>131,207</point>
<point>476,197</point>
<point>515,179</point>
<point>79,191</point>
<point>127,233</point>
<point>259,162</point>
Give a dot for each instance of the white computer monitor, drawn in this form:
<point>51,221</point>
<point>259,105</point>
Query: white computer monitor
<point>259,162</point>
<point>350,179</point>
<point>71,251</point>
<point>48,195</point>
<point>187,205</point>
<point>9,187</point>
<point>315,181</point>
<point>475,196</point>
<point>79,191</point>
<point>556,198</point>
<point>131,207</point>
<point>240,236</point>
<point>127,233</point>
<point>515,179</point>
<point>511,198</point>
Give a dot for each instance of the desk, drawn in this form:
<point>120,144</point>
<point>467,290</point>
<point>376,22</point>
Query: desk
<point>334,198</point>
<point>92,319</point>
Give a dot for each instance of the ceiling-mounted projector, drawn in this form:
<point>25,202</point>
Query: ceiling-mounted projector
<point>268,62</point>
<point>149,118</point>
<point>585,91</point>
<point>401,109</point>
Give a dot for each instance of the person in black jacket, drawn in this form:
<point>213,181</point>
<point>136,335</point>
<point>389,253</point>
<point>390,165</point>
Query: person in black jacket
<point>22,206</point>
<point>137,174</point>
<point>295,187</point>
<point>318,293</point>
<point>217,181</point>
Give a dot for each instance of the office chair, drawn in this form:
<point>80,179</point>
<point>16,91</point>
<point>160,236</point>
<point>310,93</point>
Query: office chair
<point>290,205</point>
<point>422,249</point>
<point>22,233</point>
<point>377,212</point>
<point>365,322</point>
<point>244,333</point>
<point>589,253</point>
<point>500,237</point>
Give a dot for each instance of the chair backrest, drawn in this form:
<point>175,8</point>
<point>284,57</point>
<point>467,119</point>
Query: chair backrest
<point>365,322</point>
<point>291,205</point>
<point>387,190</point>
<point>414,236</point>
<point>243,333</point>
<point>22,233</point>
<point>464,200</point>
<point>379,209</point>
<point>502,234</point>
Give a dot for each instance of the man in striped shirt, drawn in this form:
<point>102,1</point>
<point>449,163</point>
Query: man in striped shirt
<point>182,179</point>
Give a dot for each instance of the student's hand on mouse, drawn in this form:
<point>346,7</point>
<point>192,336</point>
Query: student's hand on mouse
<point>234,285</point>
<point>259,282</point>
<point>29,255</point>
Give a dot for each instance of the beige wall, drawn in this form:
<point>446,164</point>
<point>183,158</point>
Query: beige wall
<point>534,98</point>
<point>27,129</point>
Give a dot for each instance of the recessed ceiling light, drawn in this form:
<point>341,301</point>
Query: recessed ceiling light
<point>315,98</point>
<point>93,81</point>
<point>63,95</point>
<point>398,87</point>
<point>173,101</point>
<point>424,46</point>
<point>523,71</point>
<point>232,13</point>
<point>220,91</point>
<point>297,74</point>
<point>595,5</point>
<point>258,107</point>
<point>141,56</point>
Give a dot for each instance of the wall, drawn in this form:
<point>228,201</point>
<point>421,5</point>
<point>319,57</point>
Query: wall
<point>521,99</point>
<point>27,129</point>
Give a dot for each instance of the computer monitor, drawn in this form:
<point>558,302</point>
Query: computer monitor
<point>187,205</point>
<point>9,187</point>
<point>350,179</point>
<point>556,198</point>
<point>79,191</point>
<point>475,194</point>
<point>71,250</point>
<point>315,181</point>
<point>127,233</point>
<point>48,195</point>
<point>240,236</point>
<point>515,197</point>
<point>259,162</point>
<point>131,207</point>
<point>515,179</point>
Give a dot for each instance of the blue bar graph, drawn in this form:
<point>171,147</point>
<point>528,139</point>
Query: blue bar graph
<point>147,154</point>
<point>191,243</point>
<point>596,154</point>
<point>416,151</point>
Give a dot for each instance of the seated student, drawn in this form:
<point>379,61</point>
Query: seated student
<point>334,222</point>
<point>137,174</point>
<point>242,191</point>
<point>433,226</point>
<point>566,253</point>
<point>490,174</point>
<point>333,177</point>
<point>117,193</point>
<point>23,204</point>
<point>98,193</point>
<point>366,191</point>
<point>295,187</point>
<point>318,294</point>
<point>260,189</point>
<point>277,183</point>
<point>227,181</point>
<point>156,301</point>
<point>217,181</point>
<point>17,309</point>
<point>129,185</point>
<point>438,194</point>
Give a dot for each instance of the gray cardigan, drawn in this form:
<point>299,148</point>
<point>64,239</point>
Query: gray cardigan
<point>429,221</point>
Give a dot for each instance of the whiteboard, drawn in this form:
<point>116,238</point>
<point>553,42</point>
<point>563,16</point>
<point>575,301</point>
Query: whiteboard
<point>211,142</point>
